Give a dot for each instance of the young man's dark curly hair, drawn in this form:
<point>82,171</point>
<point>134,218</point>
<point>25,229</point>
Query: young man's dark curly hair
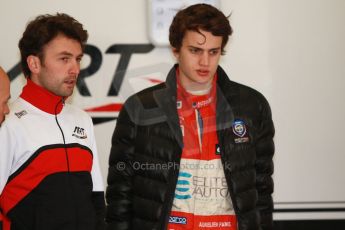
<point>199,17</point>
<point>45,28</point>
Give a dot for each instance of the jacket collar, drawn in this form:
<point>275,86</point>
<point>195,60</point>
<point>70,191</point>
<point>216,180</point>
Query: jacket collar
<point>42,98</point>
<point>166,99</point>
<point>224,115</point>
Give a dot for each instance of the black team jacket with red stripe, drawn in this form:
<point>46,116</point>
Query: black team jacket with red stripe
<point>49,171</point>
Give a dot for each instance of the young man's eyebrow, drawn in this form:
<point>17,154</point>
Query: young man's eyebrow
<point>194,47</point>
<point>66,53</point>
<point>216,48</point>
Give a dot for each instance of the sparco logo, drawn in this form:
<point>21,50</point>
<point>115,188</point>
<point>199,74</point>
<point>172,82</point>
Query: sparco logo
<point>177,220</point>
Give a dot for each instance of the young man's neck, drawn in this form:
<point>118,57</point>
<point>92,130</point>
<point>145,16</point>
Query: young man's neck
<point>199,92</point>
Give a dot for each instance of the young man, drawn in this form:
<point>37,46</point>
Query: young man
<point>4,94</point>
<point>49,173</point>
<point>196,151</point>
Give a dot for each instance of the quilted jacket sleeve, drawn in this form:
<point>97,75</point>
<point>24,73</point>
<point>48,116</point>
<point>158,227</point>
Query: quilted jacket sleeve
<point>264,166</point>
<point>119,189</point>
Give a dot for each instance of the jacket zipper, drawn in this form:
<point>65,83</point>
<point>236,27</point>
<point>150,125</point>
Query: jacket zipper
<point>63,135</point>
<point>67,158</point>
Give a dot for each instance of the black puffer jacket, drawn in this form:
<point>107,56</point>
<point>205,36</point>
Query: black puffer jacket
<point>146,151</point>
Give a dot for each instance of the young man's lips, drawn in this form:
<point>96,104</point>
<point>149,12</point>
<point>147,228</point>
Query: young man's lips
<point>203,72</point>
<point>70,82</point>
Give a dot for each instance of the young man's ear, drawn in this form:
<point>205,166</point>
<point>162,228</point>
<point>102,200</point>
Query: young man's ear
<point>34,64</point>
<point>175,52</point>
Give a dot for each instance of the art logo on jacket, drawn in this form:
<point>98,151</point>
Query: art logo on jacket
<point>240,130</point>
<point>79,133</point>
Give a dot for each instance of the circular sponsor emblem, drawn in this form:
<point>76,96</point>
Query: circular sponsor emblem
<point>239,128</point>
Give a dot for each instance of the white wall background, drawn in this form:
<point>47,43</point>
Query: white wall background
<point>293,51</point>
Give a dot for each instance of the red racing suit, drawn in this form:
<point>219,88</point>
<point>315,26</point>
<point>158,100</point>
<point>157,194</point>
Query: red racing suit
<point>202,199</point>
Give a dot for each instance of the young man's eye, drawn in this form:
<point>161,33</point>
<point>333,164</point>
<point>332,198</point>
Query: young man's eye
<point>195,51</point>
<point>65,59</point>
<point>214,52</point>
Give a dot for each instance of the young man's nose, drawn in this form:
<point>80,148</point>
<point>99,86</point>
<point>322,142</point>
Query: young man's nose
<point>75,68</point>
<point>204,59</point>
